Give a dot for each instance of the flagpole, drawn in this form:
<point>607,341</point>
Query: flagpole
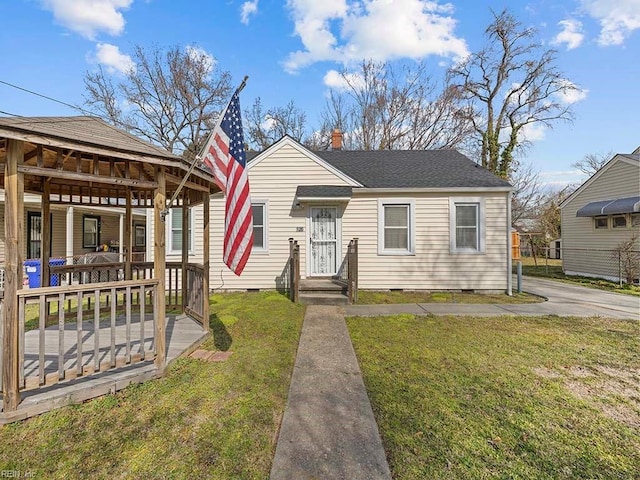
<point>198,157</point>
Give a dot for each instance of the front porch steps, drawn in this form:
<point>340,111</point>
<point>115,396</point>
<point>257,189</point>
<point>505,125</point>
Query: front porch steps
<point>323,291</point>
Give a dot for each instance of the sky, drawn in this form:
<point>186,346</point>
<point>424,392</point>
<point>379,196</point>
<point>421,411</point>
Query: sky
<point>292,50</point>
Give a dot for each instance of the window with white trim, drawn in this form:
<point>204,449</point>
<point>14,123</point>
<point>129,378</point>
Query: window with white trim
<point>175,230</point>
<point>467,225</point>
<point>260,243</point>
<point>396,227</point>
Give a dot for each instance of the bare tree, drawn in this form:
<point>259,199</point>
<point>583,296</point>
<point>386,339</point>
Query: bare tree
<point>592,162</point>
<point>266,127</point>
<point>382,108</point>
<point>528,195</point>
<point>171,97</point>
<point>511,84</point>
<point>548,212</point>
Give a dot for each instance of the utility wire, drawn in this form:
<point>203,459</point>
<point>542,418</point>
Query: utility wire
<point>75,107</point>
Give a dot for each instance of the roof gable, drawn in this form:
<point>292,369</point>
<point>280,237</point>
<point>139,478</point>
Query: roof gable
<point>257,158</point>
<point>632,159</point>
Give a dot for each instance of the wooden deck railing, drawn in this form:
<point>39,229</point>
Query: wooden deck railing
<point>348,271</point>
<point>294,270</point>
<point>99,327</point>
<point>194,305</point>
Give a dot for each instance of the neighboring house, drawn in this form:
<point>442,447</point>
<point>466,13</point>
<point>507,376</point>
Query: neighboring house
<point>600,215</point>
<point>76,231</point>
<point>425,220</point>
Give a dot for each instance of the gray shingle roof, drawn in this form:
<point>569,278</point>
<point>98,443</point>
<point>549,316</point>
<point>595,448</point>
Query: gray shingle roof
<point>412,169</point>
<point>323,191</point>
<point>87,130</point>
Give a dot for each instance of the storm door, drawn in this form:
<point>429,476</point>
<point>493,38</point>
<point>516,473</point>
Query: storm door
<point>323,241</point>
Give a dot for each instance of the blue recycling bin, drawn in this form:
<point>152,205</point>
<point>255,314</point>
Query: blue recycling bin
<point>32,268</point>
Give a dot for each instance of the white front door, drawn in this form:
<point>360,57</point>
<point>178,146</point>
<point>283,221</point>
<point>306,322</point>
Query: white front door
<point>323,241</point>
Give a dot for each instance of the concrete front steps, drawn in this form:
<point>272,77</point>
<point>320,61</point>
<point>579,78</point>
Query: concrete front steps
<point>323,291</point>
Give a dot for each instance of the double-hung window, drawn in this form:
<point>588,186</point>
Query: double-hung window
<point>90,231</point>
<point>396,227</point>
<point>466,225</point>
<point>260,243</point>
<point>175,234</point>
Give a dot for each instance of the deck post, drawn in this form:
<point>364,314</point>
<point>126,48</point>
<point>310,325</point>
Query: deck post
<point>159,262</point>
<point>46,233</point>
<point>185,249</point>
<point>206,238</point>
<point>13,226</point>
<point>128,244</point>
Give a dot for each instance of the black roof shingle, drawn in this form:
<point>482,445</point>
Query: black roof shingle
<point>412,169</point>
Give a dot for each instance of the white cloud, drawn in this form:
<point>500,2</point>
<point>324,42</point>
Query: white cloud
<point>338,81</point>
<point>572,93</point>
<point>248,9</point>
<point>532,132</point>
<point>338,30</point>
<point>198,54</point>
<point>111,57</point>
<point>89,17</point>
<point>618,19</point>
<point>571,34</point>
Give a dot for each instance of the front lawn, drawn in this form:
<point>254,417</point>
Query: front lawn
<point>369,297</point>
<point>203,420</point>
<point>508,397</point>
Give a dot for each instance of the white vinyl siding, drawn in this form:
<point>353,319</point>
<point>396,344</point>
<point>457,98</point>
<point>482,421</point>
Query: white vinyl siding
<point>581,235</point>
<point>395,227</point>
<point>433,266</point>
<point>276,178</point>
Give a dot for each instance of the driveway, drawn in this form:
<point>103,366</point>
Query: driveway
<point>563,299</point>
<point>566,298</point>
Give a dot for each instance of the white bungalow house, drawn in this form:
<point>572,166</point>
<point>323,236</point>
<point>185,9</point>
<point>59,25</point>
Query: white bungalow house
<point>601,214</point>
<point>425,220</point>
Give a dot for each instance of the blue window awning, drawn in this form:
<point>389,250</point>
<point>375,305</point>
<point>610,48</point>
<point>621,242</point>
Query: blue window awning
<point>610,207</point>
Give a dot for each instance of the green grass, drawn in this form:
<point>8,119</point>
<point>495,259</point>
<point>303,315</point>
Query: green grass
<point>202,420</point>
<point>368,297</point>
<point>509,397</point>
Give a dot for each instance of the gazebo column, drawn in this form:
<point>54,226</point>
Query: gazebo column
<point>206,235</point>
<point>128,227</point>
<point>13,227</point>
<point>185,248</point>
<point>46,233</point>
<point>159,258</point>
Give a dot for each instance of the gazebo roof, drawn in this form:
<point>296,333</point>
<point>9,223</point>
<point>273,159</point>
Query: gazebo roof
<point>87,159</point>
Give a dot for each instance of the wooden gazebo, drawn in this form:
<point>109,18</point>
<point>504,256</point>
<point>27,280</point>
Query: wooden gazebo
<point>85,161</point>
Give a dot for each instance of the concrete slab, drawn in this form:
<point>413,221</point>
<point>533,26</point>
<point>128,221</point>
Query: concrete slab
<point>328,430</point>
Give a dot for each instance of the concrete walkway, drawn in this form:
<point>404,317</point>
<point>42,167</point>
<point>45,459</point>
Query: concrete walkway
<point>563,299</point>
<point>328,430</point>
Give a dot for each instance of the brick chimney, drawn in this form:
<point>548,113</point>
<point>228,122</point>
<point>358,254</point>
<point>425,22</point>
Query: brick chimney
<point>336,139</point>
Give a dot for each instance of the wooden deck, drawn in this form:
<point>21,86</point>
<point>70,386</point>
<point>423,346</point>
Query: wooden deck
<point>183,335</point>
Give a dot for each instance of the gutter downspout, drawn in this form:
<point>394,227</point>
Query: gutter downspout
<point>509,247</point>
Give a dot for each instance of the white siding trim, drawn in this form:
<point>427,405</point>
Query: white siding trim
<point>265,226</point>
<point>169,236</point>
<point>481,225</point>
<point>382,202</point>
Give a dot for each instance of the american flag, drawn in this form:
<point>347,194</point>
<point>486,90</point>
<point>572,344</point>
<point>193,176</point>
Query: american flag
<point>224,155</point>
